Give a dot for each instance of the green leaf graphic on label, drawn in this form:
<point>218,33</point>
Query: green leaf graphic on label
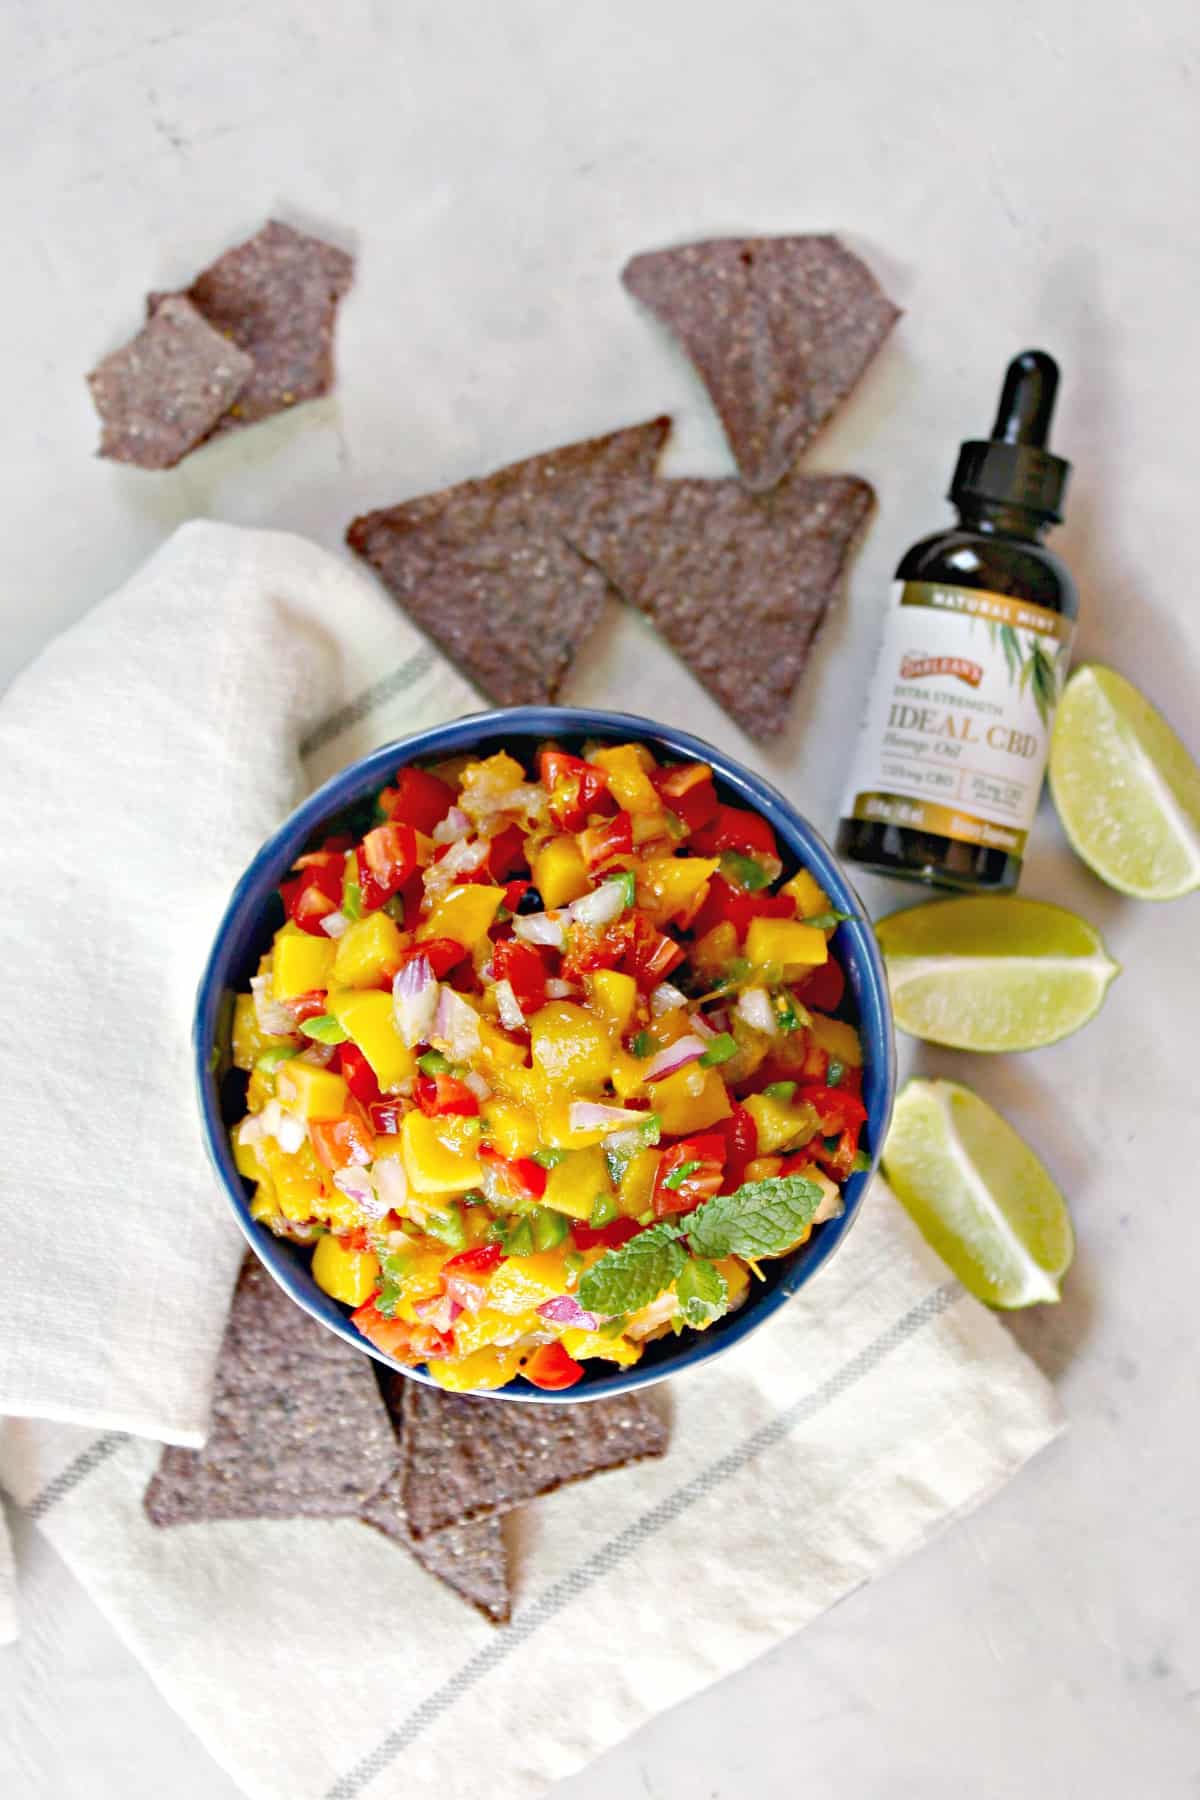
<point>1011,646</point>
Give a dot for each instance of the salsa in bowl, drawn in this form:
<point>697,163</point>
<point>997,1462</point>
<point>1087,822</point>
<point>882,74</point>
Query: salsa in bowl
<point>544,1053</point>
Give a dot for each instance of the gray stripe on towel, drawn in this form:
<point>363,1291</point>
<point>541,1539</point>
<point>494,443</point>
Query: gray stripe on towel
<point>628,1542</point>
<point>75,1472</point>
<point>364,704</point>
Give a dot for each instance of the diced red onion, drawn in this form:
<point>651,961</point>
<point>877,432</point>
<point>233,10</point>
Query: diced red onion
<point>391,1183</point>
<point>511,1016</point>
<point>754,1006</point>
<point>414,1001</point>
<point>477,1085</point>
<point>700,1025</point>
<point>439,1310</point>
<point>718,1018</point>
<point>592,1115</point>
<point>557,989</point>
<point>678,1055</point>
<point>454,826</point>
<point>541,928</point>
<point>462,858</point>
<point>319,1055</point>
<point>468,1295</point>
<point>456,1026</point>
<point>564,1309</point>
<point>335,924</point>
<point>358,1186</point>
<point>485,796</point>
<point>250,1131</point>
<point>665,998</point>
<point>273,1017</point>
<point>599,907</point>
<point>288,1131</point>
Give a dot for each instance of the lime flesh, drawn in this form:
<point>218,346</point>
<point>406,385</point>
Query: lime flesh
<point>979,1194</point>
<point>993,973</point>
<point>1126,789</point>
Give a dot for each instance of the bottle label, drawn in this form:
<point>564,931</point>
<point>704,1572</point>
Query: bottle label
<point>958,716</point>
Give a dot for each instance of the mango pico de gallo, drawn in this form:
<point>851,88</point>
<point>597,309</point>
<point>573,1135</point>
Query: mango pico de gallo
<point>544,1065</point>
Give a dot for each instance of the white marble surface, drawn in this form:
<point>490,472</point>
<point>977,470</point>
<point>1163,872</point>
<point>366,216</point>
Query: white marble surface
<point>1015,177</point>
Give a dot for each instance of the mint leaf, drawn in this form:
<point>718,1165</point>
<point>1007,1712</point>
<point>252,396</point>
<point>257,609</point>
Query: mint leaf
<point>630,1277</point>
<point>703,1293</point>
<point>763,1218</point>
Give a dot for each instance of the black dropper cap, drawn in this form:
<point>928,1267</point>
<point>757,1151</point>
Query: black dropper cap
<point>1013,467</point>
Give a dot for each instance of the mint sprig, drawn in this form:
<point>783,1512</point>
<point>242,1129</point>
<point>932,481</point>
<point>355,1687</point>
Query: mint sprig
<point>703,1292</point>
<point>630,1277</point>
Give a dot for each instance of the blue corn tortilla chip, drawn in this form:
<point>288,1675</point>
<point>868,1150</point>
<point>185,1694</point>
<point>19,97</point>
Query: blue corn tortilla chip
<point>299,1429</point>
<point>164,392</point>
<point>779,328</point>
<point>485,568</point>
<point>737,584</point>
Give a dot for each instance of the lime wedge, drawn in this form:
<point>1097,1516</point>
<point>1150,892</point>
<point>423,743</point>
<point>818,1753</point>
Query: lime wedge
<point>979,1194</point>
<point>993,974</point>
<point>1126,790</point>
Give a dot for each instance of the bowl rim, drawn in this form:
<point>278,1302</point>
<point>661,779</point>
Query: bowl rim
<point>481,728</point>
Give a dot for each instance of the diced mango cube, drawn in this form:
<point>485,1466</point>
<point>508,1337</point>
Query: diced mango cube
<point>370,950</point>
<point>570,1045</point>
<point>301,964</point>
<point>810,898</point>
<point>523,1282</point>
<point>628,1075</point>
<point>714,950</point>
<point>263,1204</point>
<point>298,1187</point>
<point>762,1168</point>
<point>628,781</point>
<point>490,1367</point>
<point>780,1126</point>
<point>577,1182</point>
<point>581,1344</point>
<point>248,1158</point>
<point>310,1092</point>
<point>349,1275</point>
<point>785,942</point>
<point>511,1127</point>
<point>670,886</point>
<point>690,1100</point>
<point>466,914</point>
<point>559,872</point>
<point>248,1039</point>
<point>366,1016</point>
<point>473,1331</point>
<point>637,1184</point>
<point>433,1163</point>
<point>613,995</point>
<point>837,1038</point>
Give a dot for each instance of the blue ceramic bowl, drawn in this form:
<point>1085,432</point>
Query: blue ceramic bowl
<point>254,913</point>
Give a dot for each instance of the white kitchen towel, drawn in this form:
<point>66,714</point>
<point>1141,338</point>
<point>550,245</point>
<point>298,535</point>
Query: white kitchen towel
<point>159,741</point>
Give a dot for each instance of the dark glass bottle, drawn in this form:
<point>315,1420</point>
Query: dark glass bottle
<point>954,742</point>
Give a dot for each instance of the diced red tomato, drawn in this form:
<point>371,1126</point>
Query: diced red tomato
<point>355,1240</point>
<point>550,1367</point>
<point>315,892</point>
<point>392,1336</point>
<point>651,955</point>
<point>674,1195</point>
<point>601,843</point>
<point>340,1142</point>
<point>358,1074</point>
<point>506,852</point>
<point>519,1176</point>
<point>481,1259</point>
<point>824,986</point>
<point>444,954</point>
<point>725,902</point>
<point>307,1006</point>
<point>575,787</point>
<point>440,1094</point>
<point>735,829</point>
<point>386,858</point>
<point>741,1147</point>
<point>387,1116</point>
<point>687,789</point>
<point>523,968</point>
<point>608,1237</point>
<point>513,893</point>
<point>418,799</point>
<point>838,1162</point>
<point>838,1108</point>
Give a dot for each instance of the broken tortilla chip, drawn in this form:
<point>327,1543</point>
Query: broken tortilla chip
<point>276,298</point>
<point>485,569</point>
<point>737,585</point>
<point>780,329</point>
<point>470,1559</point>
<point>298,1425</point>
<point>163,393</point>
<point>468,1459</point>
